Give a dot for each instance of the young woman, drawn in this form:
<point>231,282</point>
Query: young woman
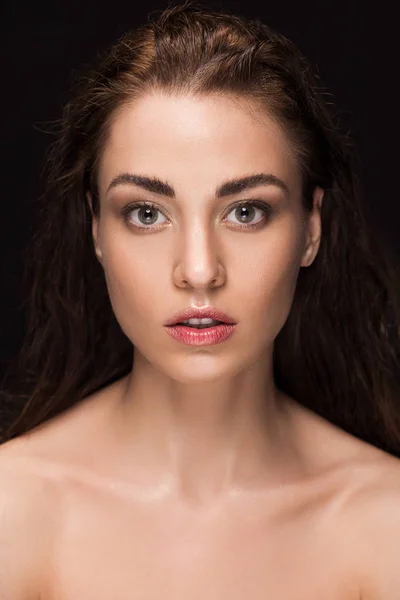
<point>199,175</point>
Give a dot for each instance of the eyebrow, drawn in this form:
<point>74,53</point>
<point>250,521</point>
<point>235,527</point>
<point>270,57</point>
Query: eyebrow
<point>228,188</point>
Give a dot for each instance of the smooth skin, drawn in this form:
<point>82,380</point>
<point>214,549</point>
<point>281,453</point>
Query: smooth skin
<point>194,476</point>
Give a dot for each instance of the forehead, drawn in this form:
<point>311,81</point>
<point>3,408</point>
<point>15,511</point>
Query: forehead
<point>195,141</point>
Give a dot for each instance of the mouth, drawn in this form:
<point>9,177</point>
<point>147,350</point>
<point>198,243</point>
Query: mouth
<point>200,334</point>
<point>208,325</point>
<point>200,318</point>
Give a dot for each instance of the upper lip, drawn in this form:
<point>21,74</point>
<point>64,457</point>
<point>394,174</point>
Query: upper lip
<point>200,313</point>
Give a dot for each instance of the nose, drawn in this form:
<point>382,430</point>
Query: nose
<point>199,260</point>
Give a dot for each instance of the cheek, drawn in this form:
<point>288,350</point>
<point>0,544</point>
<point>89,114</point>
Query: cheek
<point>131,274</point>
<point>269,277</point>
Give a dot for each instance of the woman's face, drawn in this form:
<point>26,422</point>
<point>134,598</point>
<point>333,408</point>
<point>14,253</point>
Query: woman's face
<point>194,246</point>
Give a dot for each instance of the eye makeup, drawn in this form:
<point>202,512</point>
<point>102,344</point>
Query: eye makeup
<point>265,209</point>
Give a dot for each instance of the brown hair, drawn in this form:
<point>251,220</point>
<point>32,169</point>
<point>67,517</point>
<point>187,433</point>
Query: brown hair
<point>338,351</point>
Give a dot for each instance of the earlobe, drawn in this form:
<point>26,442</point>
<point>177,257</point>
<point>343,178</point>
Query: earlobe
<point>89,198</point>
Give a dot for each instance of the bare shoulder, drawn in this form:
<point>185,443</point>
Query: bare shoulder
<point>373,518</point>
<point>25,523</point>
<point>35,470</point>
<point>370,476</point>
<point>371,522</point>
<point>366,501</point>
<point>375,490</point>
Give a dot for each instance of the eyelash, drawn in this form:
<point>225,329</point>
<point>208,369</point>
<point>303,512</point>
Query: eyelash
<point>267,210</point>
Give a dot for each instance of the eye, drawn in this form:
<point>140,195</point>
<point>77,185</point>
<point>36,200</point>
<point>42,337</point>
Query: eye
<point>244,211</point>
<point>146,212</point>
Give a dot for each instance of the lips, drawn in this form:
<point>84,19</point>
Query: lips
<point>196,313</point>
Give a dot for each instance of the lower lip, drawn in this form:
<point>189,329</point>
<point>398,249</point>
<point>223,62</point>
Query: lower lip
<point>201,337</point>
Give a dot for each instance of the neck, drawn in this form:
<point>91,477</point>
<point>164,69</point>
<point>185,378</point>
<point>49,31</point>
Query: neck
<point>202,439</point>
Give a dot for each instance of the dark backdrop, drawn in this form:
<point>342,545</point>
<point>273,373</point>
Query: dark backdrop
<point>42,42</point>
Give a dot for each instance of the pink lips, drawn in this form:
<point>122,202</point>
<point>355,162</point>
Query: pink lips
<point>201,337</point>
<point>197,313</point>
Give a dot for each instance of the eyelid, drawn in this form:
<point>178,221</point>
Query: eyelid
<point>151,204</point>
<point>257,202</point>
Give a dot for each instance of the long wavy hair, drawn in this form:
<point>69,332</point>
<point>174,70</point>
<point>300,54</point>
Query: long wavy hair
<point>338,351</point>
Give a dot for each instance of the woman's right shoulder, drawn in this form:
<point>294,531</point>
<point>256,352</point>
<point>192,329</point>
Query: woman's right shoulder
<point>24,486</point>
<point>26,499</point>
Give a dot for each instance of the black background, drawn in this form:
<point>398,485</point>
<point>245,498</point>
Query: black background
<point>353,47</point>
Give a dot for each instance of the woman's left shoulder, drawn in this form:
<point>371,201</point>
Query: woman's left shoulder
<point>377,483</point>
<point>371,525</point>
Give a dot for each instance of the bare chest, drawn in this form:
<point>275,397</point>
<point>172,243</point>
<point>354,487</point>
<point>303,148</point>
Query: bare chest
<point>122,550</point>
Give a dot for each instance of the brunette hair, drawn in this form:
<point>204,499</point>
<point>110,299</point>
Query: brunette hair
<point>338,351</point>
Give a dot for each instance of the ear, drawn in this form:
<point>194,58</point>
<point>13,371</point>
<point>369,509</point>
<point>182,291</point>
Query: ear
<point>95,226</point>
<point>313,233</point>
